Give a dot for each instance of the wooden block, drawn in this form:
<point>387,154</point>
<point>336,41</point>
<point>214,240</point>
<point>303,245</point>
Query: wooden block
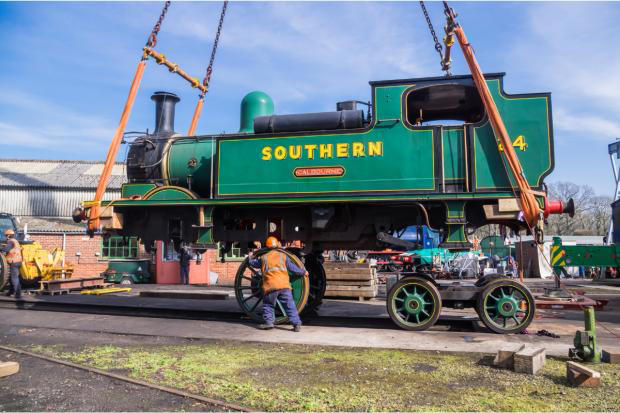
<point>8,367</point>
<point>366,294</point>
<point>336,264</point>
<point>581,376</point>
<point>349,288</point>
<point>529,360</point>
<point>611,356</point>
<point>343,276</point>
<point>366,283</point>
<point>505,357</point>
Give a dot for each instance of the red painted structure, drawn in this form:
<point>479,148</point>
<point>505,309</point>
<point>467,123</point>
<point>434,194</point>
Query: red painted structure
<point>168,268</point>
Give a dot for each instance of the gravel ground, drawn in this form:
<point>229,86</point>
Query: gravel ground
<point>41,385</point>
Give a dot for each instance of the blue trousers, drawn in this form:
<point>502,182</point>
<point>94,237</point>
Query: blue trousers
<point>14,285</point>
<point>184,274</point>
<point>285,297</point>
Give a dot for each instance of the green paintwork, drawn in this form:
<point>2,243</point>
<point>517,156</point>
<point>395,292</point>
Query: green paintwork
<point>137,270</point>
<point>178,164</point>
<point>453,141</point>
<point>406,162</point>
<point>456,238</point>
<point>129,190</point>
<point>254,104</point>
<point>307,200</point>
<point>170,194</point>
<point>584,255</point>
<point>205,235</point>
<point>527,116</point>
<point>494,245</point>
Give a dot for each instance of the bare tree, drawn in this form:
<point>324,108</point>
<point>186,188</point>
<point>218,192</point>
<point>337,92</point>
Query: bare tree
<point>592,212</point>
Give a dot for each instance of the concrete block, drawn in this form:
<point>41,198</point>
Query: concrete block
<point>8,367</point>
<point>529,360</point>
<point>506,355</point>
<point>581,376</point>
<point>611,356</point>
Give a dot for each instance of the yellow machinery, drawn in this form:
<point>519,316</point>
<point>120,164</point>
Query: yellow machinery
<point>40,264</point>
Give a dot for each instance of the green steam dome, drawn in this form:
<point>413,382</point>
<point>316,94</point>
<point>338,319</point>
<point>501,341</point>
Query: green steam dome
<point>254,104</point>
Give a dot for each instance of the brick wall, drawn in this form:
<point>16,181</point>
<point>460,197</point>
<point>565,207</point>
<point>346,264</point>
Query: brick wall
<point>226,271</point>
<point>89,262</point>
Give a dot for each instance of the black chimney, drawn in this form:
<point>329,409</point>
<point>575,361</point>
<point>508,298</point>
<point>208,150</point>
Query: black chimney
<point>164,112</point>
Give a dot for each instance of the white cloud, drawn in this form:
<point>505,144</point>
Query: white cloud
<point>39,123</point>
<point>568,48</point>
<point>585,125</point>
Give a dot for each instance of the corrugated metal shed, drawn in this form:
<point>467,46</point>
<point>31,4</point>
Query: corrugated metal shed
<point>52,188</point>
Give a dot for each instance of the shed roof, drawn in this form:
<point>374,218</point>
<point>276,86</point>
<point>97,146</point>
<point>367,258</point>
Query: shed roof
<point>38,225</point>
<point>17,173</point>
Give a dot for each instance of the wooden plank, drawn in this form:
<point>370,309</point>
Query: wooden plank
<point>8,368</point>
<point>349,288</point>
<point>529,360</point>
<point>335,264</point>
<point>581,376</point>
<point>351,282</point>
<point>350,294</point>
<point>361,277</point>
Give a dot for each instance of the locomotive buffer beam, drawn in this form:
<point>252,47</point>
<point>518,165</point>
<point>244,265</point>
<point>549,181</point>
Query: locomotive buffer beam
<point>389,239</point>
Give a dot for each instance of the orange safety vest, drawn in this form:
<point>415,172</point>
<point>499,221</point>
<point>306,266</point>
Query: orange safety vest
<point>14,256</point>
<point>275,273</point>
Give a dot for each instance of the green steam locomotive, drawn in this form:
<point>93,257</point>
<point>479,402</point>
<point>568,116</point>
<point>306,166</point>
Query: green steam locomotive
<point>422,153</point>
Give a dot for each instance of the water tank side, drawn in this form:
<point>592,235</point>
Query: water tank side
<point>253,105</point>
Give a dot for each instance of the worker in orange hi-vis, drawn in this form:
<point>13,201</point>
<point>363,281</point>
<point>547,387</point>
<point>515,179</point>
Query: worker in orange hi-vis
<point>13,253</point>
<point>276,266</point>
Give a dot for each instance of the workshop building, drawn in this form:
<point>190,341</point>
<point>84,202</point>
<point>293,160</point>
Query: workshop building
<point>42,195</point>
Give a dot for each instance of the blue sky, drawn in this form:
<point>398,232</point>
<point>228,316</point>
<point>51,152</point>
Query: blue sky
<point>66,67</point>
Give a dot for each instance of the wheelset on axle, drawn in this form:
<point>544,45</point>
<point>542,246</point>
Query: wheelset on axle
<point>505,306</point>
<point>414,303</point>
<point>307,291</point>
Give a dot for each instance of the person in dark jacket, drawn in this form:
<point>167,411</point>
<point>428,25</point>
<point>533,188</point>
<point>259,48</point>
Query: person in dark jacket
<point>13,252</point>
<point>276,267</point>
<point>184,258</point>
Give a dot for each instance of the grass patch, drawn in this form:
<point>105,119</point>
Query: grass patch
<point>275,377</point>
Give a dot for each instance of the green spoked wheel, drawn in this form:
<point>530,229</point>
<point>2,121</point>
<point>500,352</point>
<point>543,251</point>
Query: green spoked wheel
<point>414,303</point>
<point>249,292</point>
<point>506,306</point>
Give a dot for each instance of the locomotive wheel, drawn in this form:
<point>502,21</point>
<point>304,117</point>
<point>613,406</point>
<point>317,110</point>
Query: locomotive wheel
<point>506,306</point>
<point>249,292</point>
<point>414,303</point>
<point>318,281</point>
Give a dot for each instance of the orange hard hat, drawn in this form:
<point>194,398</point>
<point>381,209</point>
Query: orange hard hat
<point>9,232</point>
<point>272,242</point>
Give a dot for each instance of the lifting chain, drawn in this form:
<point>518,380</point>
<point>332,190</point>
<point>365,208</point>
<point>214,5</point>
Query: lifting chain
<point>152,40</point>
<point>207,78</point>
<point>438,46</point>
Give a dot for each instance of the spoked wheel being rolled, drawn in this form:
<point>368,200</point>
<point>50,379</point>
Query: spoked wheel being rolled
<point>249,291</point>
<point>506,306</point>
<point>414,303</point>
<point>4,272</point>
